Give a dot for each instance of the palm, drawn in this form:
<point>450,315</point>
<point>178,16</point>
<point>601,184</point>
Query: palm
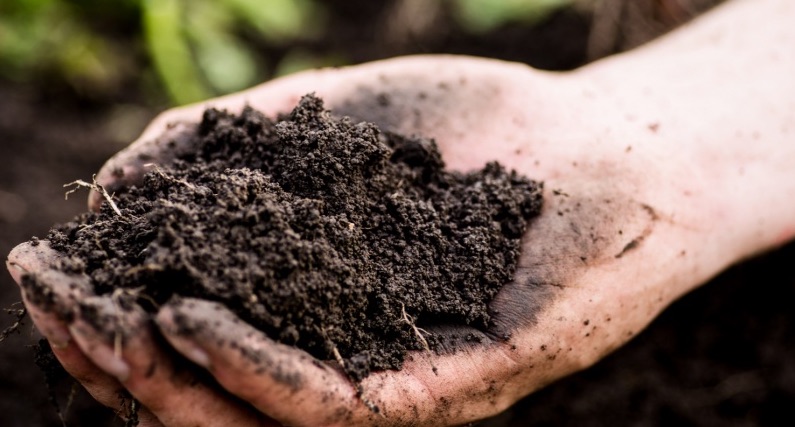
<point>570,284</point>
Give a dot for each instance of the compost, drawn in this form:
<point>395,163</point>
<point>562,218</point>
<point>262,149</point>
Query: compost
<point>326,234</point>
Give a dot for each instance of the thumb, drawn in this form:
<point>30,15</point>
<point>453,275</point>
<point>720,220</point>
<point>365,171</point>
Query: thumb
<point>169,135</point>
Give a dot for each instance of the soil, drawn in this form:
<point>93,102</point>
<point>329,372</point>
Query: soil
<point>324,233</point>
<point>721,356</point>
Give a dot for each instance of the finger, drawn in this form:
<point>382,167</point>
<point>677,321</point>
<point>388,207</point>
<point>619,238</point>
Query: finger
<point>117,336</point>
<point>169,134</point>
<point>277,379</point>
<point>48,295</point>
<point>127,167</point>
<point>104,388</point>
<point>51,297</point>
<point>431,95</point>
<point>274,378</point>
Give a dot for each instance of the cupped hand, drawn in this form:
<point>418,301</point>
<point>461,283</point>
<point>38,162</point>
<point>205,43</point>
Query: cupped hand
<point>617,241</point>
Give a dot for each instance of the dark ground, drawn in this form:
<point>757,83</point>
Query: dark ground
<point>723,355</point>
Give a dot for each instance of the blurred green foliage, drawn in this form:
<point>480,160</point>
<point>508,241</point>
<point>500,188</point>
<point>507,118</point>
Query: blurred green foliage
<point>483,15</point>
<point>39,36</point>
<point>195,49</point>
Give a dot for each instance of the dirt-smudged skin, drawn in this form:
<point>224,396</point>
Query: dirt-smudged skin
<point>582,225</point>
<point>325,233</point>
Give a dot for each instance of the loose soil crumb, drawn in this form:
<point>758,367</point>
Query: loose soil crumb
<point>326,234</point>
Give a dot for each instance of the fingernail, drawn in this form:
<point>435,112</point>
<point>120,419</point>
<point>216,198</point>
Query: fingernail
<point>16,271</point>
<point>199,357</point>
<point>116,367</point>
<point>102,355</point>
<point>183,344</point>
<point>15,266</point>
<point>59,345</point>
<point>58,338</point>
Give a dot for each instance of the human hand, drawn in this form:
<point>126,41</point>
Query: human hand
<point>613,246</point>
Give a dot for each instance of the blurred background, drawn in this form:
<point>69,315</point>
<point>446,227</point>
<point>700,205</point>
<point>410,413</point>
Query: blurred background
<point>79,79</point>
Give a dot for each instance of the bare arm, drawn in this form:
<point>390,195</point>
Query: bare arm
<point>722,87</point>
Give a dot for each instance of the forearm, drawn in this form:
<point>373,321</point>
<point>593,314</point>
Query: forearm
<point>721,91</point>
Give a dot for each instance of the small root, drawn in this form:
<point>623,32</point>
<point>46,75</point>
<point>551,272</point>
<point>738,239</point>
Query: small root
<point>168,177</point>
<point>417,331</point>
<point>338,356</point>
<point>95,187</point>
<point>136,293</point>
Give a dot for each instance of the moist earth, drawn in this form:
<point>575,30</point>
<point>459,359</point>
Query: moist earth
<point>326,234</point>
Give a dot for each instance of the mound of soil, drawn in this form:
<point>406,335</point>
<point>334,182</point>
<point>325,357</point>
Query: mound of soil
<point>326,234</point>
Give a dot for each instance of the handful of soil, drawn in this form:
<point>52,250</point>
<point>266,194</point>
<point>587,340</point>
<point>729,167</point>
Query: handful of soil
<point>328,235</point>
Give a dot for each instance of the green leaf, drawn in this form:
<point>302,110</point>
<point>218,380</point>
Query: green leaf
<point>225,61</point>
<point>299,60</point>
<point>170,52</point>
<point>483,15</point>
<point>279,20</point>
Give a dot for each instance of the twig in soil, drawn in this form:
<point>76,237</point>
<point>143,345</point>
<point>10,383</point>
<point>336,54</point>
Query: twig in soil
<point>417,331</point>
<point>135,292</point>
<point>338,356</point>
<point>168,177</point>
<point>92,186</point>
<point>19,313</point>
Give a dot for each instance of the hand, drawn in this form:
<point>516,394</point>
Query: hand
<point>614,244</point>
<point>575,296</point>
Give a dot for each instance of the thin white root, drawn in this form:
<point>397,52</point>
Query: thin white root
<point>168,177</point>
<point>417,331</point>
<point>95,187</point>
<point>338,356</point>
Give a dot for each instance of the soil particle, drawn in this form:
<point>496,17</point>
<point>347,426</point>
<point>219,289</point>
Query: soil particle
<point>324,233</point>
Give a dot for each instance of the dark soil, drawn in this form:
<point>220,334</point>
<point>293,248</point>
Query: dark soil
<point>324,233</point>
<point>721,356</point>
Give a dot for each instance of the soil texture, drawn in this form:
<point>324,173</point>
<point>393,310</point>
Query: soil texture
<point>721,356</point>
<point>326,234</point>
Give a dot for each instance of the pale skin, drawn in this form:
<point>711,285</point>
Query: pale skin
<point>662,167</point>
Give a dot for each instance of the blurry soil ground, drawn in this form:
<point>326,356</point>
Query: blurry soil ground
<point>722,355</point>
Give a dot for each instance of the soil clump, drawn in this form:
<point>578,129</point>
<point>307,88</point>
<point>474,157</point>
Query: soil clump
<point>326,234</point>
